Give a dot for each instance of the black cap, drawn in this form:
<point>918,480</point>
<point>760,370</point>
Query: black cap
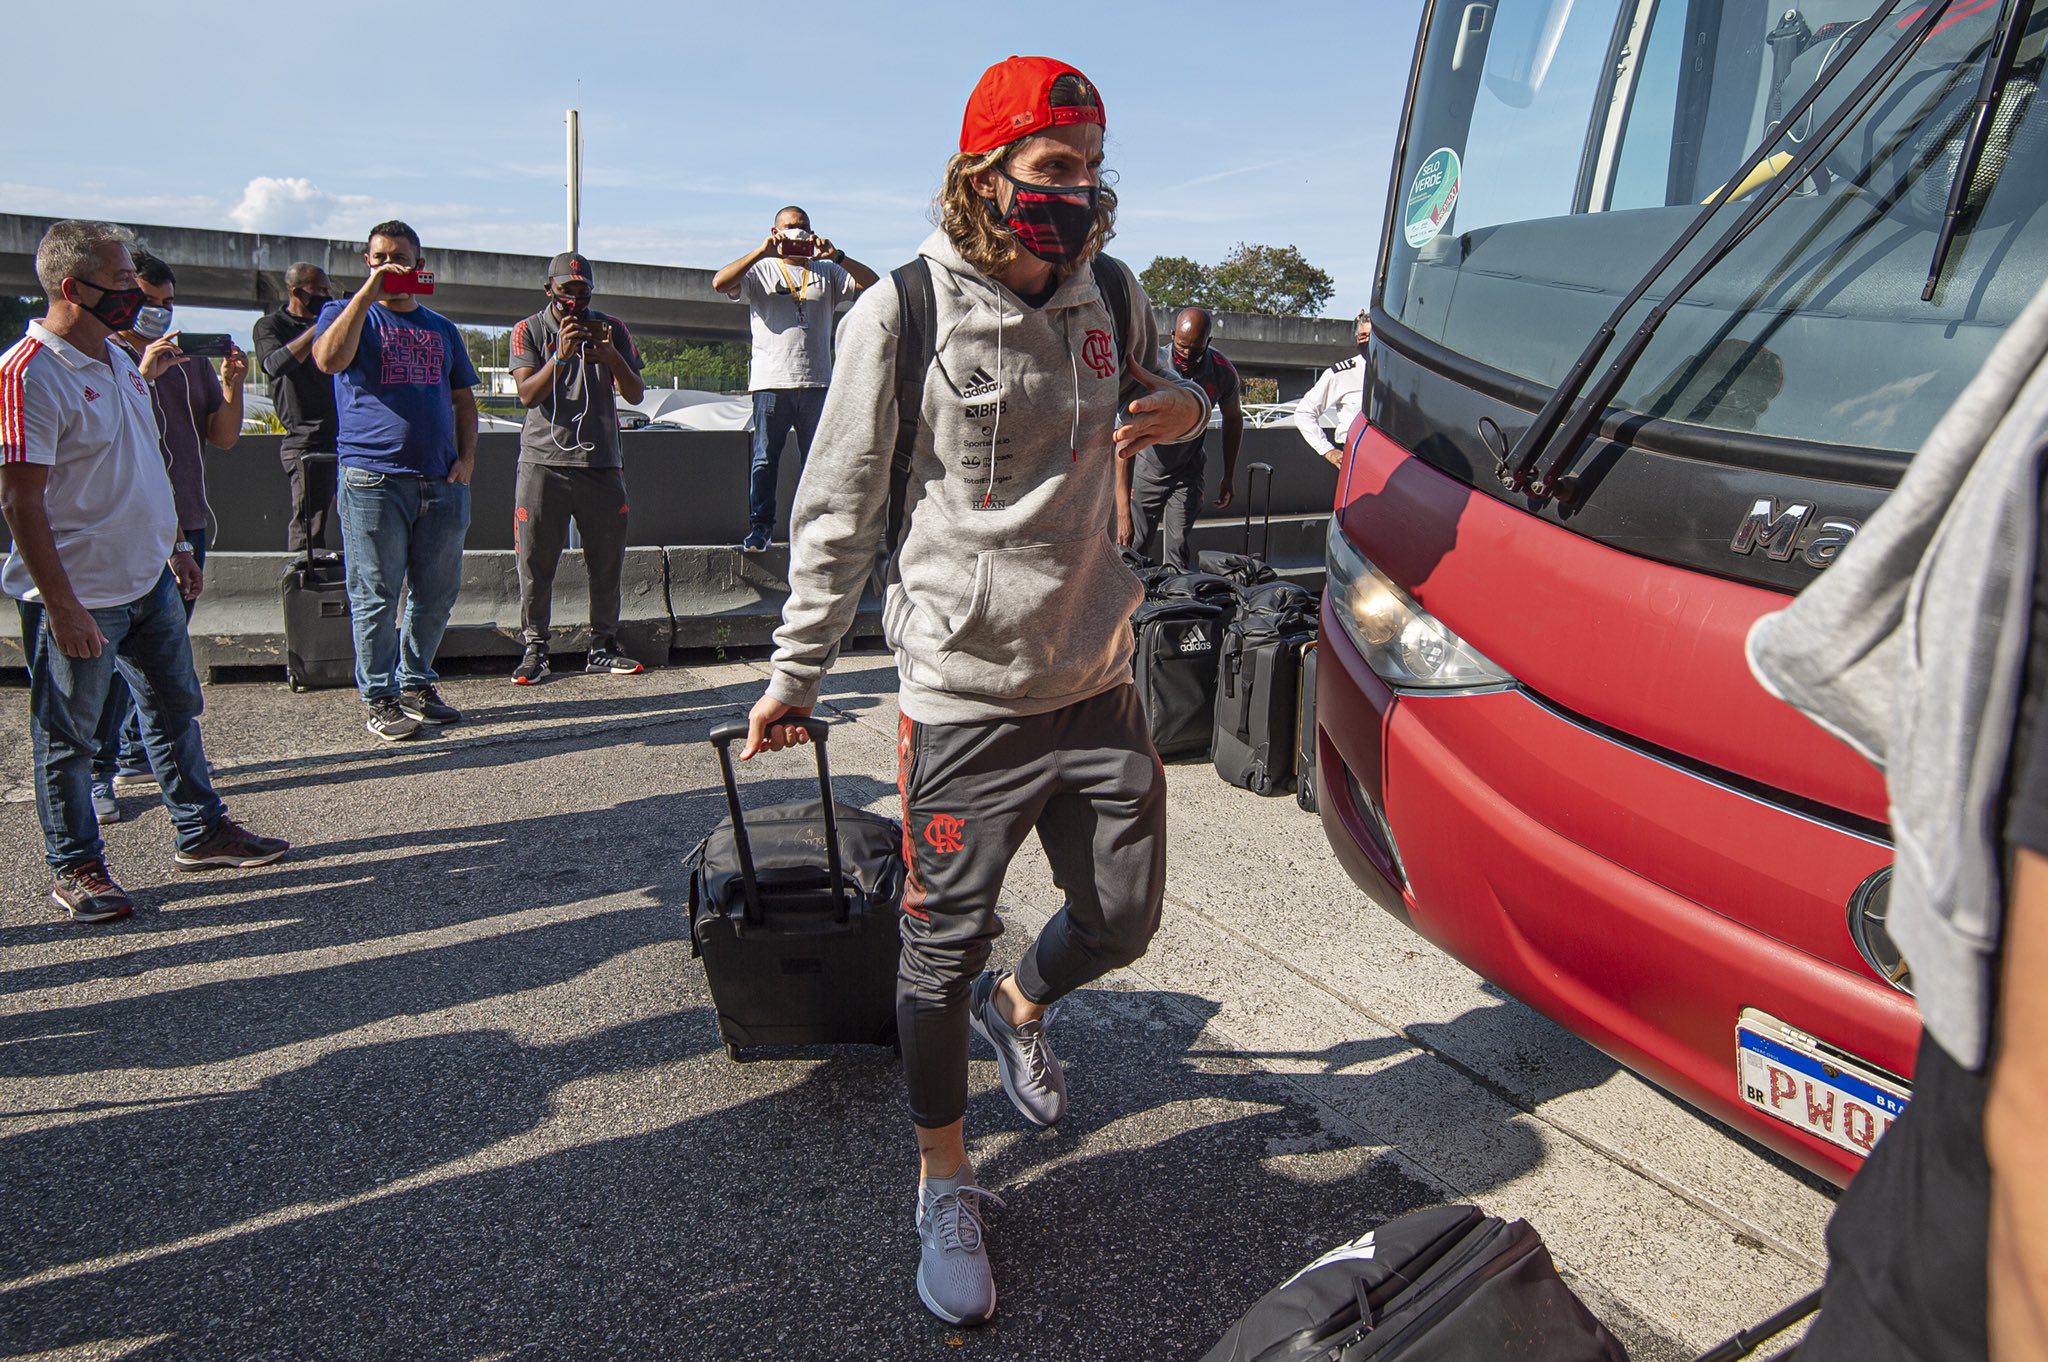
<point>571,266</point>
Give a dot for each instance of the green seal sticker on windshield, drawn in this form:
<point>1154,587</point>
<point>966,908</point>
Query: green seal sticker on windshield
<point>1432,197</point>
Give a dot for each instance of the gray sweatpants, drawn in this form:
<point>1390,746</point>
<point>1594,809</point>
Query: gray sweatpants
<point>545,500</point>
<point>1086,778</point>
<point>1168,500</point>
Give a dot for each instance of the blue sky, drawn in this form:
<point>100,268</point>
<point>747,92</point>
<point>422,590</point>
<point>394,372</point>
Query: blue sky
<point>1270,123</point>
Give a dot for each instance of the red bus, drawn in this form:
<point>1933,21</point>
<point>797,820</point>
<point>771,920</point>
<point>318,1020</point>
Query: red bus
<point>1669,292</point>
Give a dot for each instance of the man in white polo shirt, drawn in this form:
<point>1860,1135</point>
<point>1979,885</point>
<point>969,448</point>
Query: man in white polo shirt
<point>99,571</point>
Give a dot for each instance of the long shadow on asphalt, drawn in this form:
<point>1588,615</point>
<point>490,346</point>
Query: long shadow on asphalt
<point>364,893</point>
<point>632,1193</point>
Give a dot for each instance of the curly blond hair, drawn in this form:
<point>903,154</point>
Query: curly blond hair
<point>984,240</point>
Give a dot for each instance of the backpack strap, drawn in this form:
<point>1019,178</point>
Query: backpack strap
<point>1116,296</point>
<point>917,325</point>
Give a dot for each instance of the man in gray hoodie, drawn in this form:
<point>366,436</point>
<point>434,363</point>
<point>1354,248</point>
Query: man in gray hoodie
<point>1008,609</point>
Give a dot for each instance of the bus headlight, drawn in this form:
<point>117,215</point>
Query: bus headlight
<point>1403,644</point>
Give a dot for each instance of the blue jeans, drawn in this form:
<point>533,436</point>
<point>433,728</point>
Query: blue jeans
<point>121,725</point>
<point>148,647</point>
<point>400,534</point>
<point>776,410</point>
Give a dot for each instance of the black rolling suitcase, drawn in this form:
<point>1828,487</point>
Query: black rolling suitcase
<point>319,639</point>
<point>1449,1284</point>
<point>1305,731</point>
<point>1258,681</point>
<point>794,911</point>
<point>1247,568</point>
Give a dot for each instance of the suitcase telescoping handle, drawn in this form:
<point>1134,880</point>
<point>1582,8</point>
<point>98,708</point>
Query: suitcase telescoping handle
<point>722,738</point>
<point>307,523</point>
<point>1266,534</point>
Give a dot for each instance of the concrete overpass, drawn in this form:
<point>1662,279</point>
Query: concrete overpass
<point>245,270</point>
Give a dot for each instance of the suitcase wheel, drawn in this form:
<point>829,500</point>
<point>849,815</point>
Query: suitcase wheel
<point>732,1052</point>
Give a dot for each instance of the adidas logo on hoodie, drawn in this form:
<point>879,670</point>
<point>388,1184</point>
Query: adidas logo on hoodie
<point>978,384</point>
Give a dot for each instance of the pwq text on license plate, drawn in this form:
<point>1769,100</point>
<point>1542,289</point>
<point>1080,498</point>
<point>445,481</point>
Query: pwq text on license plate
<point>1787,1074</point>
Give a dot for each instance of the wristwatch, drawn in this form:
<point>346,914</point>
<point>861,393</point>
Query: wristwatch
<point>180,547</point>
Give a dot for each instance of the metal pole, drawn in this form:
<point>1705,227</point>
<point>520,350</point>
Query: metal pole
<point>575,174</point>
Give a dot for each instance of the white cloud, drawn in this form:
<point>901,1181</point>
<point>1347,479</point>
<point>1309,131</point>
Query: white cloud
<point>294,207</point>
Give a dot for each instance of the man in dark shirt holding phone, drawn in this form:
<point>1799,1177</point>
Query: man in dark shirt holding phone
<point>303,398</point>
<point>792,285</point>
<point>571,362</point>
<point>405,393</point>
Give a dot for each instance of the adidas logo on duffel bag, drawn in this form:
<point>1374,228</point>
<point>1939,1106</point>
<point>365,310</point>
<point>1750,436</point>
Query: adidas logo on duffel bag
<point>1197,640</point>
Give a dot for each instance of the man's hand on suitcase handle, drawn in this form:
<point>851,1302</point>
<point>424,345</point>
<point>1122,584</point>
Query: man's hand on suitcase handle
<point>766,729</point>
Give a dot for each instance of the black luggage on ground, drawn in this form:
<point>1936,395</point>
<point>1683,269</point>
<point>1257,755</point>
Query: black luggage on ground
<point>319,639</point>
<point>1449,1284</point>
<point>1305,731</point>
<point>1258,680</point>
<point>794,911</point>
<point>1176,672</point>
<point>1246,568</point>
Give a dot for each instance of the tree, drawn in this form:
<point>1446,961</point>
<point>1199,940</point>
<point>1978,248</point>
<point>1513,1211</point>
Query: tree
<point>1174,281</point>
<point>1274,280</point>
<point>1270,279</point>
<point>16,314</point>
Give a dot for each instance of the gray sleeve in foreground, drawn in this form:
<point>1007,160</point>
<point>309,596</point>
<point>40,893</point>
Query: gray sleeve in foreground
<point>842,503</point>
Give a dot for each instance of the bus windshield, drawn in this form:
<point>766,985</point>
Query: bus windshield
<point>1555,149</point>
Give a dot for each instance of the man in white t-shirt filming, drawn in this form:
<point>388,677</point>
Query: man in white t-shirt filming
<point>1335,400</point>
<point>100,571</point>
<point>792,284</point>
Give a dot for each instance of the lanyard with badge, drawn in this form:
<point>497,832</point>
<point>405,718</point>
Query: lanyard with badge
<point>796,284</point>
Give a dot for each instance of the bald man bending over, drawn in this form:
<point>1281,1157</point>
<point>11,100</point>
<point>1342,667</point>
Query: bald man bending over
<point>1162,486</point>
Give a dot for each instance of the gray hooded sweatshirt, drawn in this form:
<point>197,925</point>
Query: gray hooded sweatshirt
<point>1008,597</point>
<point>1912,649</point>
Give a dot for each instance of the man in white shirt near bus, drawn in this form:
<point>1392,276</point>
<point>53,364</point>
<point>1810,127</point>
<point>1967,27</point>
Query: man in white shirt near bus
<point>1335,400</point>
<point>100,572</point>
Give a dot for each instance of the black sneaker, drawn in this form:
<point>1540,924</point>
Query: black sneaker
<point>426,705</point>
<point>390,723</point>
<point>87,893</point>
<point>532,668</point>
<point>234,846</point>
<point>604,658</point>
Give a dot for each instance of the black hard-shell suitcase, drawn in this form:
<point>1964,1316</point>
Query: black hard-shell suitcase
<point>1305,731</point>
<point>1246,568</point>
<point>1258,680</point>
<point>1449,1284</point>
<point>319,639</point>
<point>1176,672</point>
<point>795,912</point>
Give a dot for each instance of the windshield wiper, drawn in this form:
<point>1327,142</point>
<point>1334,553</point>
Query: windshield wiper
<point>1551,429</point>
<point>1991,85</point>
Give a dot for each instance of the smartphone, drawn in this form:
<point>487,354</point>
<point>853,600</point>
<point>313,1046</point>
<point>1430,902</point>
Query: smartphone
<point>419,281</point>
<point>805,248</point>
<point>206,344</point>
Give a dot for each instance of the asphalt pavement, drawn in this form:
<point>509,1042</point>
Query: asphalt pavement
<point>445,1082</point>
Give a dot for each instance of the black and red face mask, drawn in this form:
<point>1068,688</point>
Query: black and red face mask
<point>1052,222</point>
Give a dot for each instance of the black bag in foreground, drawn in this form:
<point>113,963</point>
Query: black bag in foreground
<point>795,913</point>
<point>1449,1284</point>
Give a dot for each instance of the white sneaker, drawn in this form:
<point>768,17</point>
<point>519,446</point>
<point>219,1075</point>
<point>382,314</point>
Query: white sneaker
<point>953,1277</point>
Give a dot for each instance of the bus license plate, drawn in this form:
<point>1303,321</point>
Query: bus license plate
<point>1785,1073</point>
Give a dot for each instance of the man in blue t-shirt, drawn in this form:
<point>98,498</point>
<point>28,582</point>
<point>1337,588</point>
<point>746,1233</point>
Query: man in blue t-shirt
<point>404,393</point>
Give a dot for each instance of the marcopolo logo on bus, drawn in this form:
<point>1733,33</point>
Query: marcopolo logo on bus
<point>1432,197</point>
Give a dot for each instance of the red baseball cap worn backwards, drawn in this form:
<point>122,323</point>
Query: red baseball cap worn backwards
<point>1013,100</point>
